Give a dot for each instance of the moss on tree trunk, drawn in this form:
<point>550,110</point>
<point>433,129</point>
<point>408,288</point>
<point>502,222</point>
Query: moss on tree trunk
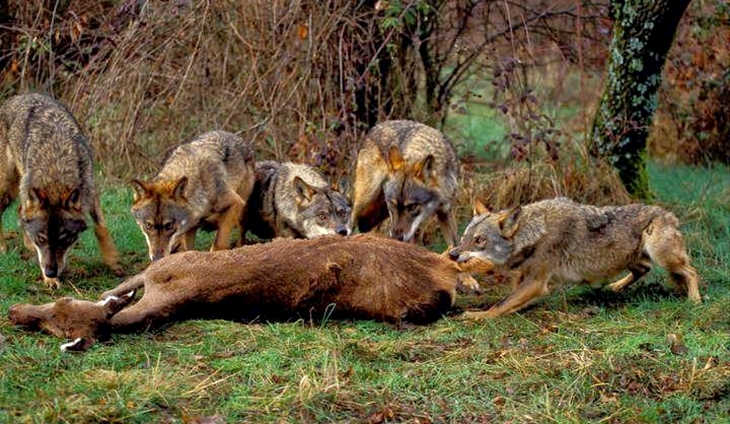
<point>643,31</point>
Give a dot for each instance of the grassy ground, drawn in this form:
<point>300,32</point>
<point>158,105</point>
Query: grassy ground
<point>581,355</point>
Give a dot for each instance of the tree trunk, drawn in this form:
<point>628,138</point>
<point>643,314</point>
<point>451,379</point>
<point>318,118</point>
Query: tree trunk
<point>643,31</point>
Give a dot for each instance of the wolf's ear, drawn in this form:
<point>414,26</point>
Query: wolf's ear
<point>38,195</point>
<point>73,200</point>
<point>114,304</point>
<point>140,190</point>
<point>424,168</point>
<point>509,221</point>
<point>304,191</point>
<point>478,208</point>
<point>395,159</point>
<point>178,190</point>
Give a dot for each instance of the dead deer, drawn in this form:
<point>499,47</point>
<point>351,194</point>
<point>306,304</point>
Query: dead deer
<point>363,277</point>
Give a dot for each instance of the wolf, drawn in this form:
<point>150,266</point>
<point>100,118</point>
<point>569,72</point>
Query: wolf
<point>48,164</point>
<point>407,171</point>
<point>362,277</point>
<point>295,200</point>
<point>567,241</point>
<point>205,183</point>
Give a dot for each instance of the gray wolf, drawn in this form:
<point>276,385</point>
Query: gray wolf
<point>295,200</point>
<point>559,239</point>
<point>48,164</point>
<point>407,171</point>
<point>205,183</point>
<point>363,277</point>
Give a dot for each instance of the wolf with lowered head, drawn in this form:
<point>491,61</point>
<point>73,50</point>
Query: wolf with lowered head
<point>205,183</point>
<point>48,164</point>
<point>559,239</point>
<point>295,200</point>
<point>407,171</point>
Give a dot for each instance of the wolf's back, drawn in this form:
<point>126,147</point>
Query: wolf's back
<point>46,144</point>
<point>415,141</point>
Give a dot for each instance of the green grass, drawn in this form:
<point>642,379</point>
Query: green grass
<point>580,355</point>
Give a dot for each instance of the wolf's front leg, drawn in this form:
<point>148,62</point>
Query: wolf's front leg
<point>529,288</point>
<point>109,253</point>
<point>229,220</point>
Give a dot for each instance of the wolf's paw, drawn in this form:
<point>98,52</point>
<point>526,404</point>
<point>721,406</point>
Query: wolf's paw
<point>51,283</point>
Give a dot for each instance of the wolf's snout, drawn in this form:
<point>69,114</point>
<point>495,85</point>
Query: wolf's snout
<point>342,231</point>
<point>401,236</point>
<point>50,271</point>
<point>454,254</point>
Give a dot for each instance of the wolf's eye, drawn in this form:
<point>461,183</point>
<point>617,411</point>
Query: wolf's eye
<point>412,207</point>
<point>168,226</point>
<point>322,216</point>
<point>148,225</point>
<point>342,212</point>
<point>41,238</point>
<point>479,240</point>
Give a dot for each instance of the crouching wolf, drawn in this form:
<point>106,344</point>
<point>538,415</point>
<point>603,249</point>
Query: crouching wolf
<point>569,241</point>
<point>204,183</point>
<point>408,171</point>
<point>295,200</point>
<point>364,277</point>
<point>48,163</point>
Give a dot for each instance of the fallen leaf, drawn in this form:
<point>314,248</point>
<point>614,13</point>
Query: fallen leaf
<point>213,419</point>
<point>676,346</point>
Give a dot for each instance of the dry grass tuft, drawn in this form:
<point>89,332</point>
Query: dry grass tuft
<point>576,176</point>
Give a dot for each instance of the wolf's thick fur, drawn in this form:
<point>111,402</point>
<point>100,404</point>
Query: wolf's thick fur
<point>206,182</point>
<point>295,200</point>
<point>48,163</point>
<point>408,171</point>
<point>568,241</point>
<point>363,276</point>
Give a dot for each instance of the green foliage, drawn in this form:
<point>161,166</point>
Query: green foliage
<point>397,15</point>
<point>580,355</point>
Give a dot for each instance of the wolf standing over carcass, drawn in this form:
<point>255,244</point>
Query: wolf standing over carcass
<point>408,171</point>
<point>295,200</point>
<point>559,239</point>
<point>204,183</point>
<point>48,164</point>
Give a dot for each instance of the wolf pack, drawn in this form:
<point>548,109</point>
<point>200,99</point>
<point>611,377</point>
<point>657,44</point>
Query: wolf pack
<point>307,262</point>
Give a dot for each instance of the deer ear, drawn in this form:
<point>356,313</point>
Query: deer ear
<point>80,344</point>
<point>478,208</point>
<point>178,190</point>
<point>141,190</point>
<point>509,221</point>
<point>304,191</point>
<point>395,159</point>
